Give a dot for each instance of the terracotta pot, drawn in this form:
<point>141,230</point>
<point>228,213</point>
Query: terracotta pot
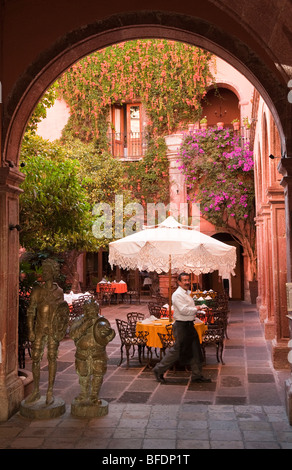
<point>236,126</point>
<point>220,124</point>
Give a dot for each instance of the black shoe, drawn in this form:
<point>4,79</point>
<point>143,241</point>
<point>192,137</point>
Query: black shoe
<point>201,380</point>
<point>159,377</point>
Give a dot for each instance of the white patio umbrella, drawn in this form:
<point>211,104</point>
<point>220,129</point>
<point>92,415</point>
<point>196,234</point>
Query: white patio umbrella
<point>172,247</point>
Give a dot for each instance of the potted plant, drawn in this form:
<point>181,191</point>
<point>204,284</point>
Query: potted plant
<point>246,122</point>
<point>204,122</point>
<point>236,124</point>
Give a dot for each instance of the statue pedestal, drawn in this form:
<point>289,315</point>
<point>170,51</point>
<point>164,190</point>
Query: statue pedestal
<point>87,409</point>
<point>288,397</point>
<point>40,410</point>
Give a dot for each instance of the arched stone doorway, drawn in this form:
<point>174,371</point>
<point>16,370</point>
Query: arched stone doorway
<point>37,77</point>
<point>226,105</point>
<point>234,286</point>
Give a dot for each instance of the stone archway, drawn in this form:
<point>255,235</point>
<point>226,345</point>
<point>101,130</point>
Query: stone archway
<point>29,89</point>
<point>74,46</point>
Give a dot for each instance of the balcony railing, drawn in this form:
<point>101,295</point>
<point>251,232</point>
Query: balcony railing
<point>128,146</point>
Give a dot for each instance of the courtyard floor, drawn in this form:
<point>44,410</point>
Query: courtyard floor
<point>242,408</point>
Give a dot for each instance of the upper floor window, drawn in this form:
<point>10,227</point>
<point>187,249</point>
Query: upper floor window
<point>127,138</point>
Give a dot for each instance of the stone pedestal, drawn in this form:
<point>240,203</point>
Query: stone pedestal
<point>86,409</point>
<point>288,397</point>
<point>40,410</point>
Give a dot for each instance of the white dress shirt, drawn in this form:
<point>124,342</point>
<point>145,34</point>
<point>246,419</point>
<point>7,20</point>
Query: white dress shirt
<point>184,308</point>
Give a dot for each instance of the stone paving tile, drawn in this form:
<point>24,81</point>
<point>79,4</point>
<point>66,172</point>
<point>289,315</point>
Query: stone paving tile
<point>192,444</point>
<point>126,443</point>
<point>160,422</point>
<point>261,378</point>
<point>262,445</point>
<point>134,397</point>
<point>225,435</point>
<point>159,444</point>
<point>193,434</point>
<point>227,445</point>
<point>263,394</point>
<point>128,433</point>
<point>235,400</point>
<point>28,443</point>
<point>84,443</point>
<point>160,433</point>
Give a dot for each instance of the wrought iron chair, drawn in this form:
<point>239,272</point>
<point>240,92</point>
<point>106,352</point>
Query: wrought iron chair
<point>106,292</point>
<point>133,317</point>
<point>129,338</point>
<point>77,308</point>
<point>159,299</point>
<point>220,317</point>
<point>156,309</point>
<point>133,294</point>
<point>214,335</point>
<point>167,340</point>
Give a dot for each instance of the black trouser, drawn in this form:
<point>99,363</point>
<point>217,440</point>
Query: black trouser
<point>186,349</point>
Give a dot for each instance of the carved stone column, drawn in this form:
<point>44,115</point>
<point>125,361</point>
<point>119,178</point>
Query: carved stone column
<point>176,178</point>
<point>285,168</point>
<point>265,302</point>
<point>279,276</point>
<point>11,386</point>
<point>261,299</point>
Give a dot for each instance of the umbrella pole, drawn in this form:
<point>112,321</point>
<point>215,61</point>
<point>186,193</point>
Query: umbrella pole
<point>169,289</point>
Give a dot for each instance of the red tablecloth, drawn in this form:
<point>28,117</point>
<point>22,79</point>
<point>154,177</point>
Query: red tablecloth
<point>119,288</point>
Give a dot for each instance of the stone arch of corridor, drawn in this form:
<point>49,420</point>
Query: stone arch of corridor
<point>28,90</point>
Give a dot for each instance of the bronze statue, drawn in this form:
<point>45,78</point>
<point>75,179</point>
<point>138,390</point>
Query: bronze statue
<point>47,317</point>
<point>91,334</point>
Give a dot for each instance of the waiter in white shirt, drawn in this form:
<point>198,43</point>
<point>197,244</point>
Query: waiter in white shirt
<point>187,348</point>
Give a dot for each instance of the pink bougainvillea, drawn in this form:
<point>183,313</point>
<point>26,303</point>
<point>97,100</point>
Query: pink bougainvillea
<point>218,170</point>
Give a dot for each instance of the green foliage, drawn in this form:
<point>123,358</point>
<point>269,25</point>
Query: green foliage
<point>54,208</point>
<point>99,172</point>
<point>102,179</point>
<point>169,77</point>
<point>148,178</point>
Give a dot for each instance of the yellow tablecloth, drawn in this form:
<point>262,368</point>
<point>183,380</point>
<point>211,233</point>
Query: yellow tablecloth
<point>159,326</point>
